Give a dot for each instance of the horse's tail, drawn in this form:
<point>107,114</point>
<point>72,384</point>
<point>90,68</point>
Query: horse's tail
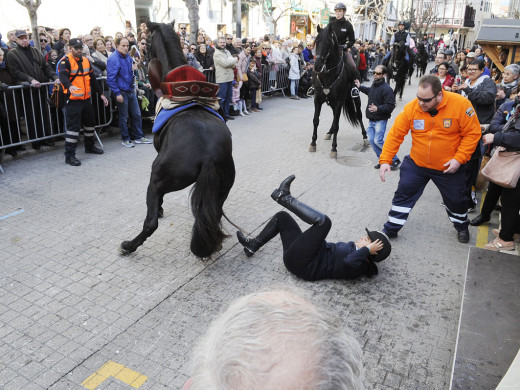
<point>207,234</point>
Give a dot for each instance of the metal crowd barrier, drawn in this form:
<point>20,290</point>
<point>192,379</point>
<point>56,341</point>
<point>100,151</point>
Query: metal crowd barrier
<point>275,77</point>
<point>27,115</point>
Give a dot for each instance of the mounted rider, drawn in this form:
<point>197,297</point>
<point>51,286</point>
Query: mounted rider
<point>401,35</point>
<point>346,38</point>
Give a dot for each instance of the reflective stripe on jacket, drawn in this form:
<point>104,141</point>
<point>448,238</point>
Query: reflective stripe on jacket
<point>82,79</point>
<point>452,133</point>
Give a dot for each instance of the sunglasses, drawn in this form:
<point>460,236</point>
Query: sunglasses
<point>183,28</point>
<point>379,73</point>
<point>43,40</point>
<point>427,100</point>
<point>193,48</point>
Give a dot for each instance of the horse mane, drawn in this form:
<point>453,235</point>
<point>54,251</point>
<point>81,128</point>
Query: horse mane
<point>166,45</point>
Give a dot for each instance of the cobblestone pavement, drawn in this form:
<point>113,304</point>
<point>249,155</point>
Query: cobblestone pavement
<point>71,304</point>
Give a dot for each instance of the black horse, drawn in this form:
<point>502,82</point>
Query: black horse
<point>194,146</point>
<point>333,81</point>
<point>398,68</point>
<point>421,60</point>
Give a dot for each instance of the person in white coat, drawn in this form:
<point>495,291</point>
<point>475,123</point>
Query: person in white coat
<point>294,72</point>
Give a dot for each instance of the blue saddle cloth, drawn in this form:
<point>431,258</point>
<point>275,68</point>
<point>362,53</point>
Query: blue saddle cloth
<point>165,115</point>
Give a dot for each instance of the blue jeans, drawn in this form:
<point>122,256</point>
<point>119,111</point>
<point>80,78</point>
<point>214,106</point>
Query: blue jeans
<point>376,135</point>
<point>225,93</point>
<point>294,87</point>
<point>130,106</point>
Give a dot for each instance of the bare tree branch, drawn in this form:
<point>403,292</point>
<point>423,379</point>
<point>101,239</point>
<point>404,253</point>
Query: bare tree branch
<point>420,21</point>
<point>32,8</point>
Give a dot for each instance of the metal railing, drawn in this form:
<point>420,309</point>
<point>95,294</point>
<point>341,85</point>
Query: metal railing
<point>275,77</point>
<point>27,114</point>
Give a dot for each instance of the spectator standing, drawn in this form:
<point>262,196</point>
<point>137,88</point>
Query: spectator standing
<point>481,91</point>
<point>224,75</point>
<point>255,82</point>
<point>306,80</point>
<point>27,66</point>
<point>308,56</point>
<point>460,59</point>
<point>362,67</point>
<point>189,52</point>
<point>446,79</point>
<point>205,58</point>
<point>451,118</point>
<point>380,105</point>
<point>294,72</point>
<point>100,53</point>
<point>77,78</point>
<point>509,84</point>
<point>120,79</point>
<point>237,44</point>
<point>183,33</point>
<point>11,39</point>
<point>451,62</point>
<point>239,105</point>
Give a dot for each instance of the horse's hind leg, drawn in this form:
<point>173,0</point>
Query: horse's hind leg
<point>316,121</point>
<point>357,102</point>
<point>153,202</point>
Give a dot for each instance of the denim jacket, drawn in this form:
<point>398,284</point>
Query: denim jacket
<point>120,76</point>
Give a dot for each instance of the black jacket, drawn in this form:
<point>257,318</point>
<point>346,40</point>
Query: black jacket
<point>344,31</point>
<point>206,61</point>
<point>483,99</point>
<point>500,117</point>
<point>24,70</point>
<point>382,96</point>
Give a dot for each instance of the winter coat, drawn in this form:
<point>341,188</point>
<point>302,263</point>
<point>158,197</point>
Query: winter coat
<point>382,96</point>
<point>243,63</point>
<point>23,70</point>
<point>254,79</point>
<point>224,63</point>
<point>205,60</point>
<point>120,76</point>
<point>294,71</point>
<point>483,98</point>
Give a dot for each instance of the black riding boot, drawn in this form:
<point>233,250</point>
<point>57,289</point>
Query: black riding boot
<point>251,245</point>
<point>307,214</point>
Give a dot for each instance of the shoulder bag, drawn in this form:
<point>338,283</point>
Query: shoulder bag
<point>503,168</point>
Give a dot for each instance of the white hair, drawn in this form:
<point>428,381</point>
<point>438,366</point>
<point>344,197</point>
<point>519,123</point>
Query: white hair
<point>276,340</point>
<point>514,68</point>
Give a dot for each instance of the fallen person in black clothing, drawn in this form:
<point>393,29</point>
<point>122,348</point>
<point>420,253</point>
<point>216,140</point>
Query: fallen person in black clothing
<point>307,254</point>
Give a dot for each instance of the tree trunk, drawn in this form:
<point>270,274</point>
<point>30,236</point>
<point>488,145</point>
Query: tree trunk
<point>32,8</point>
<point>193,15</point>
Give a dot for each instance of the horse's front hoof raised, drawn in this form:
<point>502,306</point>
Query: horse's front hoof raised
<point>333,154</point>
<point>126,248</point>
<point>312,148</point>
<point>327,136</point>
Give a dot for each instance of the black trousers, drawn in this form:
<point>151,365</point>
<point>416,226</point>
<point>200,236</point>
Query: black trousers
<point>510,209</point>
<point>36,112</point>
<point>300,249</point>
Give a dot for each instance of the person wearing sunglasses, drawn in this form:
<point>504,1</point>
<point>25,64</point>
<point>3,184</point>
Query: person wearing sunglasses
<point>445,132</point>
<point>381,104</point>
<point>183,33</point>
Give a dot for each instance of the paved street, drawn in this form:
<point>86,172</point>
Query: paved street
<point>72,305</point>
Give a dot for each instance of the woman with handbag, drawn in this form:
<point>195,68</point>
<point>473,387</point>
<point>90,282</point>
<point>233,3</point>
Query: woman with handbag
<point>509,138</point>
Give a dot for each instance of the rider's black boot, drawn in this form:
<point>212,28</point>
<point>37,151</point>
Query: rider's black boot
<point>307,214</point>
<point>251,245</point>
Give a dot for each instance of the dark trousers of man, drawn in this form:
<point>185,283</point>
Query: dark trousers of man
<point>225,93</point>
<point>413,180</point>
<point>76,112</point>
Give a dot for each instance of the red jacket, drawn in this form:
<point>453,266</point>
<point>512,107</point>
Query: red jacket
<point>453,133</point>
<point>362,62</point>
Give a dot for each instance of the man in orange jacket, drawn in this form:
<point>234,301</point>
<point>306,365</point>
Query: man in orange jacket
<point>445,131</point>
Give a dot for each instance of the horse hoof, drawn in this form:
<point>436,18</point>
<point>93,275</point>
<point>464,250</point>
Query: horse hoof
<point>333,154</point>
<point>365,142</point>
<point>125,248</point>
<point>161,212</point>
<point>400,98</point>
<point>312,148</point>
<point>327,136</point>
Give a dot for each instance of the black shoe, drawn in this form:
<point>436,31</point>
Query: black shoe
<point>284,189</point>
<point>479,220</point>
<point>72,160</point>
<point>230,118</point>
<point>47,142</point>
<point>463,236</point>
<point>389,234</point>
<point>36,146</point>
<point>12,152</point>
<point>395,165</point>
<point>94,150</point>
<point>259,108</point>
<point>377,166</point>
<point>250,244</point>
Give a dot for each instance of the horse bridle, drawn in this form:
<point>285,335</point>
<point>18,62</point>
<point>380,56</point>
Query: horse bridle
<point>324,69</point>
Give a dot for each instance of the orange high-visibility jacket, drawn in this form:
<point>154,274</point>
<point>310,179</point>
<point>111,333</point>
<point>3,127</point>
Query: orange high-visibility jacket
<point>453,133</point>
<point>82,79</point>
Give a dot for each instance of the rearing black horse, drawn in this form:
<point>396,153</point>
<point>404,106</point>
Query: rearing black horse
<point>333,81</point>
<point>194,146</point>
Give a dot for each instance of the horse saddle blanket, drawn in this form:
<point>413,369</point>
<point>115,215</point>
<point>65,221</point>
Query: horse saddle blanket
<point>164,114</point>
<point>185,83</point>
